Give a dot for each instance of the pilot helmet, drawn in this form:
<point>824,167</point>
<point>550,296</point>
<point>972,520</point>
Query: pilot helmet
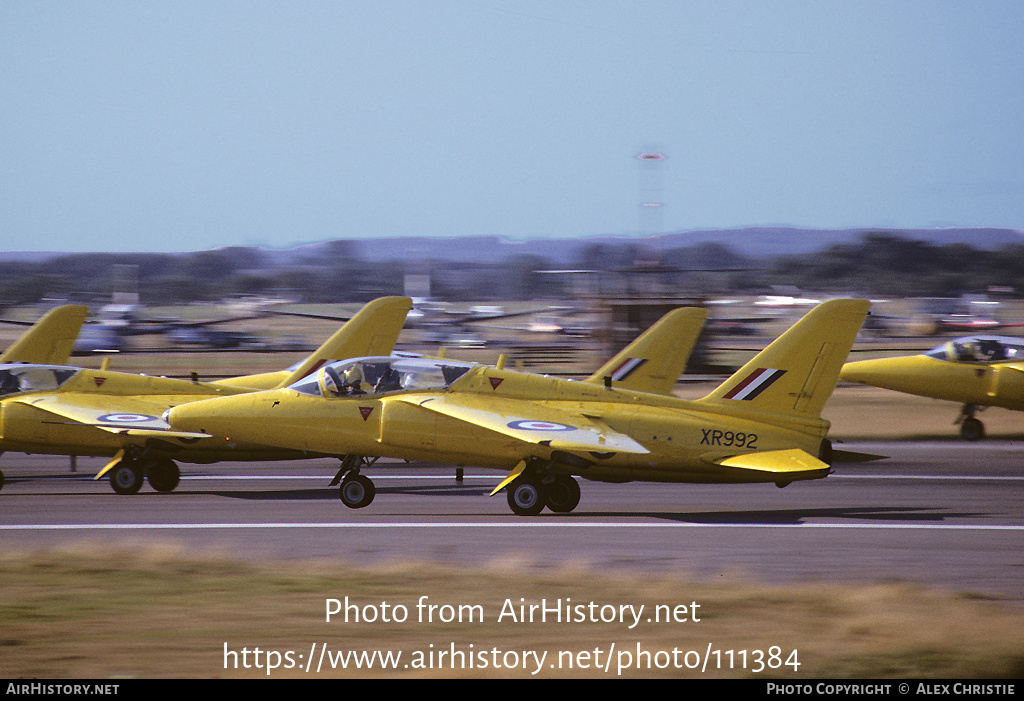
<point>353,376</point>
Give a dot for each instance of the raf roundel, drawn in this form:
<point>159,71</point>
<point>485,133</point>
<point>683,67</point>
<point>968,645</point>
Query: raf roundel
<point>125,418</point>
<point>529,425</point>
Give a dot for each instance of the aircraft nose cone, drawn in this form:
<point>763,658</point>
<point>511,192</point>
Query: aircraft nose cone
<point>212,416</point>
<point>182,418</point>
<point>239,416</point>
<point>900,374</point>
<point>863,371</point>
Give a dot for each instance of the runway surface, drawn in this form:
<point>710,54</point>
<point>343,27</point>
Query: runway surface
<point>945,514</point>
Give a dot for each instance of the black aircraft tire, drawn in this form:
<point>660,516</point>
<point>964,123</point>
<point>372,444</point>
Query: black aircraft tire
<point>126,478</point>
<point>164,475</point>
<point>356,492</point>
<point>526,497</point>
<point>1,480</point>
<point>562,495</point>
<point>972,429</point>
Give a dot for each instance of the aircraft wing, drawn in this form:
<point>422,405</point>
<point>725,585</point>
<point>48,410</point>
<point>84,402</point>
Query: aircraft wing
<point>125,415</point>
<point>537,424</point>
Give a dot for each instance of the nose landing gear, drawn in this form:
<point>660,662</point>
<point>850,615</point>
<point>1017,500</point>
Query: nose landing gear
<point>356,490</point>
<point>971,429</point>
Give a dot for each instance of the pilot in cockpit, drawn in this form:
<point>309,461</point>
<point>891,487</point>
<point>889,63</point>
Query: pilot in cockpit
<point>353,383</point>
<point>9,383</point>
<point>338,385</point>
<point>991,350</point>
<point>389,381</point>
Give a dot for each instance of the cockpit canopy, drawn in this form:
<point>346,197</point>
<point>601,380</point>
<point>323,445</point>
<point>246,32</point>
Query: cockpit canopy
<point>378,375</point>
<point>980,349</point>
<point>19,377</point>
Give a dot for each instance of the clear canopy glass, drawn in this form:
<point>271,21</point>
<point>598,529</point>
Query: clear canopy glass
<point>379,375</point>
<point>16,378</point>
<point>980,349</point>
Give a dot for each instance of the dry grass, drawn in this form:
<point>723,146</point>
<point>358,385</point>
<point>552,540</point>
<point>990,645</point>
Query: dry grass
<point>160,612</point>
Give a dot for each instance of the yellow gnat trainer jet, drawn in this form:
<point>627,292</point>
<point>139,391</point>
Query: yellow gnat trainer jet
<point>977,371</point>
<point>53,409</point>
<point>762,425</point>
<point>49,340</point>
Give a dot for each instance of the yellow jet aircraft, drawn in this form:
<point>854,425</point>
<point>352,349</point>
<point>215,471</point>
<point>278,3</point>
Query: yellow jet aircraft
<point>59,410</point>
<point>762,425</point>
<point>49,340</point>
<point>976,371</point>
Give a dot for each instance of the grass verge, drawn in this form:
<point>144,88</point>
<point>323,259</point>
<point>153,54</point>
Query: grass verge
<point>164,613</point>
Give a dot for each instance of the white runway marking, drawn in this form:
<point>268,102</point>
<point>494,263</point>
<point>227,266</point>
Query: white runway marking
<point>1011,478</point>
<point>496,477</point>
<point>497,524</point>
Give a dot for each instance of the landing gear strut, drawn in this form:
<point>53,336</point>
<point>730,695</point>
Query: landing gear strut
<point>134,468</point>
<point>971,429</point>
<point>356,490</point>
<point>536,488</point>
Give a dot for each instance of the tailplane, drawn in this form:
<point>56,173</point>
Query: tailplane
<point>797,373</point>
<point>51,339</point>
<point>655,360</point>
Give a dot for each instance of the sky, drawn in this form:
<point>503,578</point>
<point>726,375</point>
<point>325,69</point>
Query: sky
<point>189,125</point>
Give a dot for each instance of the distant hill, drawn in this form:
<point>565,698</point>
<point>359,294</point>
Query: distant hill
<point>758,242</point>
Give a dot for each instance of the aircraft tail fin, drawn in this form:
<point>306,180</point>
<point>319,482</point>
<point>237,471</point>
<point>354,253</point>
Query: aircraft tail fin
<point>653,362</point>
<point>372,331</point>
<point>797,373</point>
<point>51,339</point>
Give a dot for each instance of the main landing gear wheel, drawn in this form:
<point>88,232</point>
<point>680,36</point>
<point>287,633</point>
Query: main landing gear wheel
<point>356,491</point>
<point>562,495</point>
<point>163,475</point>
<point>126,477</point>
<point>526,496</point>
<point>971,429</point>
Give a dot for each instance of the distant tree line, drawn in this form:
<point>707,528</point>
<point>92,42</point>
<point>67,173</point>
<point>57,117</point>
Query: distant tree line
<point>884,264</point>
<point>880,263</point>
